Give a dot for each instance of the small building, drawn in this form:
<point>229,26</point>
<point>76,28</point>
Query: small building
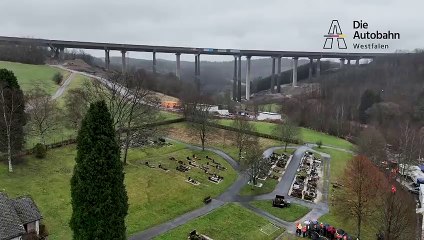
<point>215,109</point>
<point>18,217</point>
<point>170,104</point>
<point>268,116</point>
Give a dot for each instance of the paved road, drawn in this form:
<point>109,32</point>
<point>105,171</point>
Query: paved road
<point>63,87</point>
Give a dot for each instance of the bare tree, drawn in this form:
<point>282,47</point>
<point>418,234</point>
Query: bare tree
<point>407,149</point>
<point>362,183</point>
<point>288,132</point>
<point>371,143</point>
<point>131,105</point>
<point>77,102</point>
<point>241,137</point>
<point>12,115</point>
<point>43,113</point>
<point>253,162</point>
<point>196,112</point>
<point>398,219</point>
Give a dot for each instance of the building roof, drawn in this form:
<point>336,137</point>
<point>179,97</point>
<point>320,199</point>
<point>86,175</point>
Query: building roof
<point>14,213</point>
<point>26,209</point>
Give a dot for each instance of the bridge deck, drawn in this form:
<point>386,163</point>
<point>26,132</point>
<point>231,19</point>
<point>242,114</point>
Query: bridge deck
<point>182,50</point>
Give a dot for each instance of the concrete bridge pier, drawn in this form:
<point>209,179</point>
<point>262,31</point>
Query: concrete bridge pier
<point>311,65</point>
<point>239,80</point>
<point>61,54</point>
<point>154,62</point>
<point>342,62</point>
<point>278,75</point>
<point>248,77</point>
<point>318,72</point>
<point>107,59</point>
<point>124,61</point>
<point>295,62</point>
<point>197,71</point>
<point>178,69</point>
<point>273,76</point>
<point>235,80</point>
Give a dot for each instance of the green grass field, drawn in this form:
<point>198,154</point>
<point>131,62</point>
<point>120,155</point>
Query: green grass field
<point>267,187</point>
<point>338,163</point>
<point>290,214</point>
<point>155,196</point>
<point>217,138</point>
<point>30,76</point>
<point>229,222</point>
<point>306,134</point>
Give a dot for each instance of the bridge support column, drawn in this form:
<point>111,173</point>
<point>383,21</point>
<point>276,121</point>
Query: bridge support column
<point>124,62</point>
<point>239,80</point>
<point>273,76</point>
<point>295,61</point>
<point>278,75</point>
<point>107,59</point>
<point>318,72</point>
<point>61,54</point>
<point>197,71</point>
<point>342,62</point>
<point>311,65</point>
<point>154,62</point>
<point>248,77</point>
<point>235,80</point>
<point>178,69</point>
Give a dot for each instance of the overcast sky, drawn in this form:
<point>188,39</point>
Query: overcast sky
<point>238,24</point>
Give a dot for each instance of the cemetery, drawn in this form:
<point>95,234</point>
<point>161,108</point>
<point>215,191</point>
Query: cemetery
<point>306,183</point>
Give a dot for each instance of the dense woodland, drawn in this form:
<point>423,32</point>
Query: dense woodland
<point>386,94</point>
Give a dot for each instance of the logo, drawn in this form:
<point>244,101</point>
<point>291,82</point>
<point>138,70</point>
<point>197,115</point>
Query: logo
<point>335,32</point>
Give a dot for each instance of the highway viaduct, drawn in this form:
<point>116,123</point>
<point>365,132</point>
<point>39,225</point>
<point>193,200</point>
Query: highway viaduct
<point>58,46</point>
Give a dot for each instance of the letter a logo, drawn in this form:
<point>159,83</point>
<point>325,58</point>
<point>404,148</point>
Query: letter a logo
<point>335,32</point>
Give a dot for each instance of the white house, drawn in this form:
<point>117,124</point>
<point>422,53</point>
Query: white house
<point>18,217</point>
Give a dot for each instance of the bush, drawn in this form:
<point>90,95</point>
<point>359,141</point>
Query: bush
<point>57,78</point>
<point>319,143</point>
<point>40,150</point>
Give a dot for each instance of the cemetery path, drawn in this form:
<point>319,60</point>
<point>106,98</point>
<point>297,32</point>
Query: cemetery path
<point>231,194</point>
<point>162,228</point>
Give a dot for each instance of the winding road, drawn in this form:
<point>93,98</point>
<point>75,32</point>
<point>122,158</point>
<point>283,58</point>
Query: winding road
<point>231,194</point>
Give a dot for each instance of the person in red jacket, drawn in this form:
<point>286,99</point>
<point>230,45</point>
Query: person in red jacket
<point>304,231</point>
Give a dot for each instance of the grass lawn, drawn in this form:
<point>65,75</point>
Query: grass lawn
<point>338,162</point>
<point>155,196</point>
<point>165,115</point>
<point>337,165</point>
<point>307,135</point>
<point>290,214</point>
<point>218,138</point>
<point>228,222</point>
<point>268,186</point>
<point>29,75</point>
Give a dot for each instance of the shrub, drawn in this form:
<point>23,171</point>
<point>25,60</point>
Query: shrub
<point>319,143</point>
<point>40,150</point>
<point>57,78</point>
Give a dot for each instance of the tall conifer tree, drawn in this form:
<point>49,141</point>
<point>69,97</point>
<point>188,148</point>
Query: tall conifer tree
<point>99,198</point>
